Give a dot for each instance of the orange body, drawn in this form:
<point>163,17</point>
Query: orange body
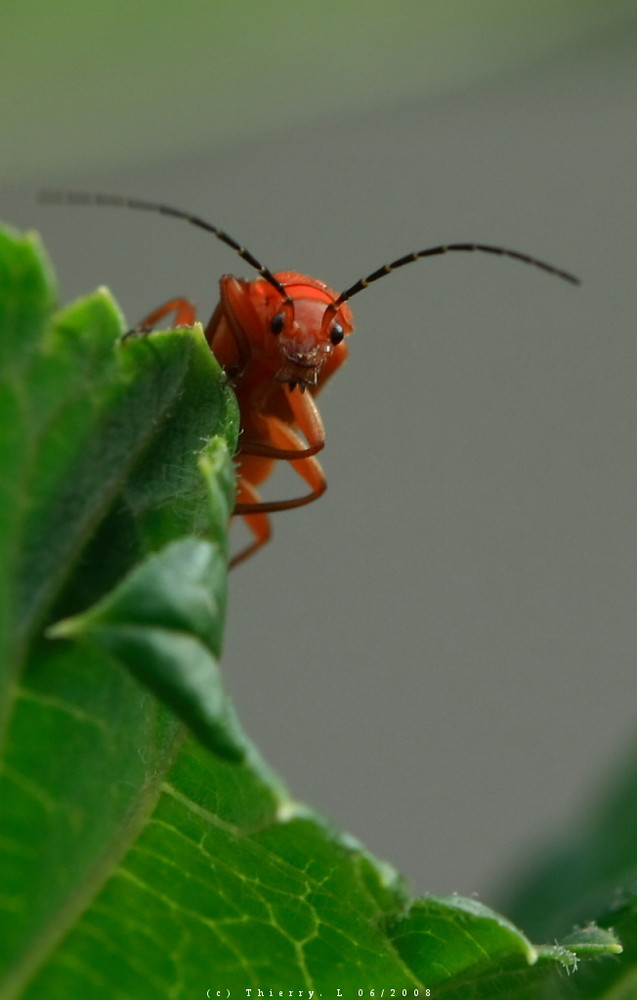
<point>277,353</point>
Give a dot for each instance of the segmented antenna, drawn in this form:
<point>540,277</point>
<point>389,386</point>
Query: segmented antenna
<point>451,248</point>
<point>118,201</point>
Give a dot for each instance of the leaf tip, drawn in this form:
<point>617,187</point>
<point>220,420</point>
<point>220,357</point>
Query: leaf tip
<point>66,628</point>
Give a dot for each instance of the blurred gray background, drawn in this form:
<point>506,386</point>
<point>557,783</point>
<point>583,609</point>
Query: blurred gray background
<point>439,654</point>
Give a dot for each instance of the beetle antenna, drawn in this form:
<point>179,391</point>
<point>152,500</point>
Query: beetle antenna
<point>118,201</point>
<point>449,248</point>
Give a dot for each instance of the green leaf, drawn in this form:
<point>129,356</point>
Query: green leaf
<point>232,885</point>
<point>135,862</point>
<point>163,623</point>
<point>593,870</point>
<point>108,451</point>
<point>96,432</point>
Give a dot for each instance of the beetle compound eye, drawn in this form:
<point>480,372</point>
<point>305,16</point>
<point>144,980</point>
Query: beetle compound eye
<point>336,334</point>
<point>277,323</point>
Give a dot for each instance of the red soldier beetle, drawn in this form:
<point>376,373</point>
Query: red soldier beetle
<point>279,338</point>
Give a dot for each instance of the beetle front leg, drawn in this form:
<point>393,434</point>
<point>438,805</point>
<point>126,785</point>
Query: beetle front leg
<point>307,419</point>
<point>282,445</point>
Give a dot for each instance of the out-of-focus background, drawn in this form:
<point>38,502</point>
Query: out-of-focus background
<point>439,654</point>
